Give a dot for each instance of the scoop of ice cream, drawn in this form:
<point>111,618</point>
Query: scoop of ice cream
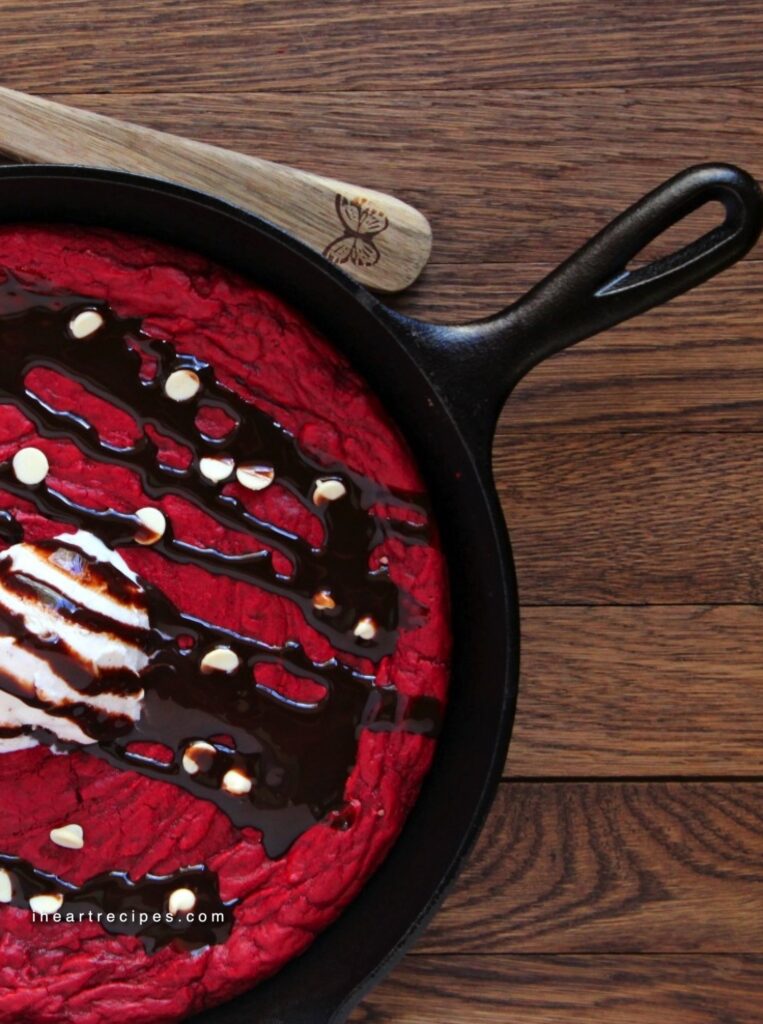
<point>73,629</point>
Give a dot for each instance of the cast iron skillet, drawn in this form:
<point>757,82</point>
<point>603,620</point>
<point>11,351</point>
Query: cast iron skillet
<point>445,387</point>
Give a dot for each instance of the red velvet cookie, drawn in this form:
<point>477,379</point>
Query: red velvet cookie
<point>224,630</point>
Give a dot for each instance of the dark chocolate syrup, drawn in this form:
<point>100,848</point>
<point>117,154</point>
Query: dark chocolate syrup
<point>10,531</point>
<point>297,756</point>
<point>34,333</point>
<point>123,907</point>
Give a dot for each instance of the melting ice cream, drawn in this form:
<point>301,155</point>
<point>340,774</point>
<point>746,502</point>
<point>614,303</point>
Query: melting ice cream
<point>73,625</point>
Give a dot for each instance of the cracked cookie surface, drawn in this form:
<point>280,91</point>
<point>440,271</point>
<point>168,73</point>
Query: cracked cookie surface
<point>266,355</point>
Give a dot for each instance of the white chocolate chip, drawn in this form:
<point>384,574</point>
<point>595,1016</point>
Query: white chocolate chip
<point>365,628</point>
<point>236,783</point>
<point>71,837</point>
<point>220,659</point>
<point>323,600</point>
<point>85,323</point>
<point>328,489</point>
<point>182,385</point>
<point>154,524</point>
<point>256,478</point>
<point>30,466</point>
<point>216,469</point>
<point>193,752</point>
<point>181,901</point>
<point>46,904</point>
<point>6,888</point>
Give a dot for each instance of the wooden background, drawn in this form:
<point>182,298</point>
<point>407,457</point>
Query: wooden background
<point>620,876</point>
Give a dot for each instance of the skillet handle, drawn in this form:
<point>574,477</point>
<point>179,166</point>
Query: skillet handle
<point>594,289</point>
<point>476,366</point>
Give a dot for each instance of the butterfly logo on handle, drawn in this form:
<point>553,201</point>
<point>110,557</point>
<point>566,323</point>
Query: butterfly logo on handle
<point>361,224</point>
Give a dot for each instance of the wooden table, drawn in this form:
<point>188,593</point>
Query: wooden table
<point>620,876</point>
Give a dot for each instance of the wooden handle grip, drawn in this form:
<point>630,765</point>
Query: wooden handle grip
<point>377,239</point>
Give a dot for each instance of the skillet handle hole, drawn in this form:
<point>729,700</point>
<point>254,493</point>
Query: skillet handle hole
<point>695,225</point>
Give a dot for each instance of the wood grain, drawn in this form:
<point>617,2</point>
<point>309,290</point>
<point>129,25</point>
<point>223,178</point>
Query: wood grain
<point>629,867</point>
<point>634,518</point>
<point>640,692</point>
<point>234,45</point>
<point>524,177</point>
<point>555,989</point>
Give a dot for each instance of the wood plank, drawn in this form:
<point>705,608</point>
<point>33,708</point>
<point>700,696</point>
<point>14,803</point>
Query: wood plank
<point>159,44</point>
<point>607,867</point>
<point>525,177</point>
<point>634,518</point>
<point>695,364</point>
<point>640,691</point>
<point>451,293</point>
<point>555,989</point>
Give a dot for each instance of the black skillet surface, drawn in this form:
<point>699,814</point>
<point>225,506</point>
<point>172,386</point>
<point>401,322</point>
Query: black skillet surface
<point>445,387</point>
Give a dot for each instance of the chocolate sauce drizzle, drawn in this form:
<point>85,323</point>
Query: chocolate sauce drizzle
<point>34,333</point>
<point>298,755</point>
<point>123,907</point>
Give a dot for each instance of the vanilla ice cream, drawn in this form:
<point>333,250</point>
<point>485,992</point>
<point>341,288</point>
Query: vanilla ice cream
<point>72,618</point>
